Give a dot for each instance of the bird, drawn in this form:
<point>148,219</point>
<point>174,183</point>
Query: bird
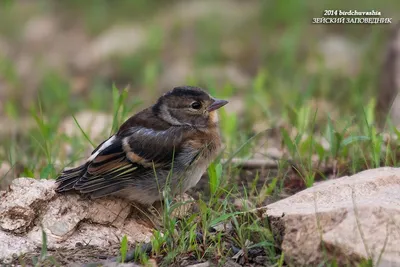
<point>168,145</point>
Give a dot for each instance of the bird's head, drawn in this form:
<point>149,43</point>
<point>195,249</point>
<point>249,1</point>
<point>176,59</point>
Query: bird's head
<point>188,105</point>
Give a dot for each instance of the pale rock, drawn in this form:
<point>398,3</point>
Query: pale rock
<point>334,213</point>
<point>32,206</point>
<point>18,207</point>
<point>11,244</point>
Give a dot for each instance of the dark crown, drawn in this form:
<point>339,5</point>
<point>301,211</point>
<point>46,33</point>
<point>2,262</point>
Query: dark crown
<point>188,91</point>
<point>182,91</point>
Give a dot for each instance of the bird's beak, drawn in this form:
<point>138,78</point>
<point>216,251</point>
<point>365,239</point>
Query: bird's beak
<point>217,104</point>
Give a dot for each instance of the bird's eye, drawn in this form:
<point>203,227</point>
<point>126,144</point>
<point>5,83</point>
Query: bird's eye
<point>196,105</point>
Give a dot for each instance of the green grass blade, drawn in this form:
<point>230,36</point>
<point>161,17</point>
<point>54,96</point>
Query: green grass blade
<point>124,248</point>
<point>43,251</point>
<point>83,132</point>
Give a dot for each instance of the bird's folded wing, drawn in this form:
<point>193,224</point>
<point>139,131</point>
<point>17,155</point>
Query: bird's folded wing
<point>130,156</point>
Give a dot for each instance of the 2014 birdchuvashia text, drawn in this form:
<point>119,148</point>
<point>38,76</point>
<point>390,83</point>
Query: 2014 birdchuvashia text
<point>337,16</point>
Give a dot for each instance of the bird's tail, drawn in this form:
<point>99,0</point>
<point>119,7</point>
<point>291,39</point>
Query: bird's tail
<point>68,178</point>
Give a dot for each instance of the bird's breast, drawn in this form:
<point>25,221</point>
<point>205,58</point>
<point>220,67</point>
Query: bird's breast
<point>208,142</point>
<point>194,174</point>
<point>205,147</point>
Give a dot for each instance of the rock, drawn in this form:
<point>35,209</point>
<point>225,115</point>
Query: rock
<point>32,205</point>
<point>18,206</point>
<point>325,221</point>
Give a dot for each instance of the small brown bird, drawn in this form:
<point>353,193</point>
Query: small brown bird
<point>168,144</point>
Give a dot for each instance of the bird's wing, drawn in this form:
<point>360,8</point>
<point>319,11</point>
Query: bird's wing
<point>128,157</point>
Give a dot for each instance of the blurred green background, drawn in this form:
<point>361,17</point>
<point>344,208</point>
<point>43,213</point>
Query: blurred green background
<point>72,71</point>
<point>58,58</point>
